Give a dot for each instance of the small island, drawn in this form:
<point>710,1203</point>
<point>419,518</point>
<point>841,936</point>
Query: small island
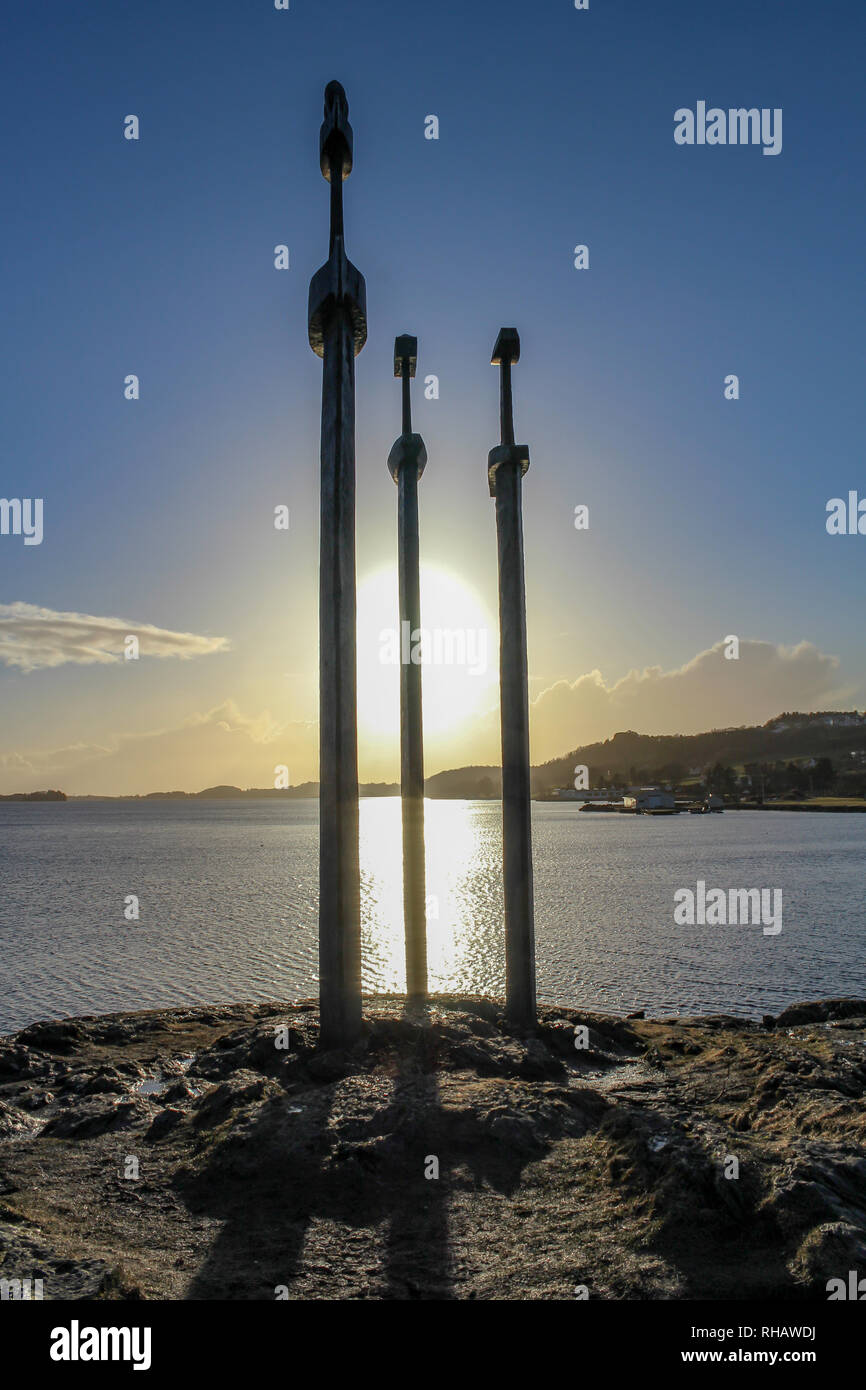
<point>35,796</point>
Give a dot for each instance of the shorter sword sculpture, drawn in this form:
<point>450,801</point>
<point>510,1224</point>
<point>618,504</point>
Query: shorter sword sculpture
<point>406,464</point>
<point>506,466</point>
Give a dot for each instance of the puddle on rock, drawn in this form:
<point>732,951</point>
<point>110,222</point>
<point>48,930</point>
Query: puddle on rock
<point>158,1085</point>
<point>151,1086</point>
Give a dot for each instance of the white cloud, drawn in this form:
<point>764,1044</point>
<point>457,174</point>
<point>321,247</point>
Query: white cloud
<point>220,746</point>
<point>33,638</point>
<point>224,745</point>
<point>708,692</point>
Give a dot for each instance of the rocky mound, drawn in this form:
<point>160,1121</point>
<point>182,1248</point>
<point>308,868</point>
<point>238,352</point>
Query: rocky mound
<point>218,1153</point>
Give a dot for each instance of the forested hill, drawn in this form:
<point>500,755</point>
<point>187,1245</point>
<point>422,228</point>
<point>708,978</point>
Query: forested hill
<point>632,757</point>
<point>628,756</point>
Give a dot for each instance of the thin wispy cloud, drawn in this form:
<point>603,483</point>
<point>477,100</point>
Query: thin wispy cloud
<point>34,638</point>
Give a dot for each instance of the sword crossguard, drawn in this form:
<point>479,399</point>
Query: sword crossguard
<point>407,452</point>
<point>503,454</point>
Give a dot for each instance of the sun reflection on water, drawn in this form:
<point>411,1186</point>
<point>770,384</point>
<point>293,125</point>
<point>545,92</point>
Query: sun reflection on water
<point>464,889</point>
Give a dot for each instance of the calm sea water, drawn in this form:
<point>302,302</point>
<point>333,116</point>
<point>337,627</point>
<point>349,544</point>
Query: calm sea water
<point>228,900</point>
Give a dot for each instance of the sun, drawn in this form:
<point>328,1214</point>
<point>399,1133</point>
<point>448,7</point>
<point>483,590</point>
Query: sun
<point>456,646</point>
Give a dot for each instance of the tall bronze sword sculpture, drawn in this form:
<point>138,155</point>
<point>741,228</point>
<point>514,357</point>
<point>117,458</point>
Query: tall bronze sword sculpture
<point>406,464</point>
<point>506,466</point>
<point>338,331</point>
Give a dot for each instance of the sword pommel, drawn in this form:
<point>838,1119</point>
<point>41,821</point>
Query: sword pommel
<point>506,347</point>
<point>335,136</point>
<point>405,351</point>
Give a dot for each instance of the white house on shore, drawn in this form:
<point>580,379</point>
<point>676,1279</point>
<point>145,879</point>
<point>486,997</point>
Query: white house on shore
<point>649,799</point>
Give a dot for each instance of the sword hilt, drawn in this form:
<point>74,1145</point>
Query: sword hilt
<point>338,286</point>
<point>506,350</point>
<point>405,360</point>
<point>408,450</point>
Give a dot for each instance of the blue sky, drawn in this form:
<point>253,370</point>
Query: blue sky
<point>556,128</point>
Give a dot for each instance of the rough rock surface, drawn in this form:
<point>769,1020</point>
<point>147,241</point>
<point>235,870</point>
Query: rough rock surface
<point>183,1154</point>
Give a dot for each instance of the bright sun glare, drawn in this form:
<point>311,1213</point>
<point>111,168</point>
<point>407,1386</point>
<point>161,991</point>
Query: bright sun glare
<point>460,657</point>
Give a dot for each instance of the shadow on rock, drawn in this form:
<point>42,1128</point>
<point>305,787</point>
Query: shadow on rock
<point>336,1183</point>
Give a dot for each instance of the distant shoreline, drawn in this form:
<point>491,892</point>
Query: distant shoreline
<point>381,791</point>
<point>853,806</point>
<point>837,810</point>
